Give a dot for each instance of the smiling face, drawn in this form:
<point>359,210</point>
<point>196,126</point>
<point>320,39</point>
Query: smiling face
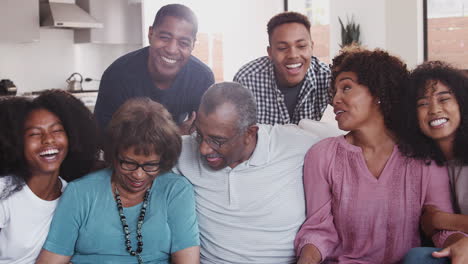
<point>290,51</point>
<point>438,112</point>
<point>220,143</point>
<point>171,43</point>
<point>353,104</point>
<point>45,143</point>
<point>138,180</point>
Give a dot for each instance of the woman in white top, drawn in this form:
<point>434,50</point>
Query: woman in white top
<point>52,135</point>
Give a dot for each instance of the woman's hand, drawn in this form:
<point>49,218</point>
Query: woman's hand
<point>309,255</point>
<point>457,252</point>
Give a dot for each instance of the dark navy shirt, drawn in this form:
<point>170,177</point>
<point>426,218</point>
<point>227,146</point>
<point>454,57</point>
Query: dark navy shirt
<point>128,77</point>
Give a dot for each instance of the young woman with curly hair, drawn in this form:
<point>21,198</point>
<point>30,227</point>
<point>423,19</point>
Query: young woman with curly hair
<point>437,130</point>
<point>50,140</point>
<point>364,198</point>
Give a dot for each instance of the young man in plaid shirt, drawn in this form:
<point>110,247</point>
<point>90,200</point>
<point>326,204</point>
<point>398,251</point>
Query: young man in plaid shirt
<point>289,84</point>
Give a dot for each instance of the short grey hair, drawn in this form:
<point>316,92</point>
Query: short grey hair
<point>237,95</point>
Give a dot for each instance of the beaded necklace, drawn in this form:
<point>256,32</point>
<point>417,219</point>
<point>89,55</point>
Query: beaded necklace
<point>126,230</point>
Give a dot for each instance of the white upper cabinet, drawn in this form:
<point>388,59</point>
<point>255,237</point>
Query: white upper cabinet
<point>19,21</point>
<point>121,19</point>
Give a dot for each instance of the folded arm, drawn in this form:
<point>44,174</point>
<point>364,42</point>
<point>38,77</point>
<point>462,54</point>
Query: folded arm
<point>438,203</point>
<point>435,219</point>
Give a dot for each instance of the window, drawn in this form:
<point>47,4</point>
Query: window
<point>446,31</point>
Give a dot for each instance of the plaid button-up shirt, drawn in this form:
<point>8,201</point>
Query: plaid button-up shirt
<point>259,76</point>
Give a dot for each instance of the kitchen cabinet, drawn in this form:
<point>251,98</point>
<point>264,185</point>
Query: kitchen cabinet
<point>19,21</point>
<point>122,22</point>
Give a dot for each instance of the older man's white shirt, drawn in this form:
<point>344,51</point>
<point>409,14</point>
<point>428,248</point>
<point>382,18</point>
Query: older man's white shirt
<point>251,214</point>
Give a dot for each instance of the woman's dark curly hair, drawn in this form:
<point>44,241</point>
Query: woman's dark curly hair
<point>79,125</point>
<point>148,127</point>
<point>343,53</point>
<point>13,111</point>
<point>385,75</point>
<point>419,145</point>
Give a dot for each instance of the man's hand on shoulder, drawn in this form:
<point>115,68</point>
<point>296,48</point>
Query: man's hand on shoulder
<point>186,126</point>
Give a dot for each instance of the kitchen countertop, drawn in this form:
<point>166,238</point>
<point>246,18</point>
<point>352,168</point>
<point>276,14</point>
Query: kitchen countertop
<point>74,92</point>
<point>86,91</point>
<point>88,97</point>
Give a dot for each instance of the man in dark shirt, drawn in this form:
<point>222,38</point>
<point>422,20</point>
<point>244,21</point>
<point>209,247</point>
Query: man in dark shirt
<point>165,71</point>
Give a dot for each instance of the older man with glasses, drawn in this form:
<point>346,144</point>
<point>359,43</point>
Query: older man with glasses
<point>247,179</point>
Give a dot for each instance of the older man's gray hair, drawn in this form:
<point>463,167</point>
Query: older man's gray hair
<point>235,94</point>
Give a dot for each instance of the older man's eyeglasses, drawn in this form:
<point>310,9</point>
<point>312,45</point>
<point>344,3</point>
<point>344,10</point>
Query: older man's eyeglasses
<point>213,143</point>
<point>133,166</point>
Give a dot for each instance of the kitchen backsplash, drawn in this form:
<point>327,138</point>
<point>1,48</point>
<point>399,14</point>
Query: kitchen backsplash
<point>48,63</point>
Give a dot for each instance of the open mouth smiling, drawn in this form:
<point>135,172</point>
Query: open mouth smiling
<point>49,154</point>
<point>293,66</point>
<point>168,60</point>
<point>438,122</point>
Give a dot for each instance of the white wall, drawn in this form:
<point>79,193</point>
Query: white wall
<point>369,14</point>
<point>48,63</point>
<point>394,25</point>
<point>91,60</point>
<point>405,35</point>
<point>246,35</point>
<point>39,65</point>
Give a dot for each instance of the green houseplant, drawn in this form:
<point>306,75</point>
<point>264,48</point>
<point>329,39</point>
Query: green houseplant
<point>350,33</point>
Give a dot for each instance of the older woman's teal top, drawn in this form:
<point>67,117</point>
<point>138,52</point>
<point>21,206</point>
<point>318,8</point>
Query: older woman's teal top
<point>87,226</point>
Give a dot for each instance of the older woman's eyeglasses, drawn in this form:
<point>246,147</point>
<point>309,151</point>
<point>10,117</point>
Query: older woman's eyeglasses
<point>133,166</point>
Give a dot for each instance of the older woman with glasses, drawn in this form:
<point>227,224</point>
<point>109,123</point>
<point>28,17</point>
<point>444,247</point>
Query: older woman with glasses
<point>136,211</point>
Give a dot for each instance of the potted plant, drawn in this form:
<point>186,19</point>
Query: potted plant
<point>350,33</point>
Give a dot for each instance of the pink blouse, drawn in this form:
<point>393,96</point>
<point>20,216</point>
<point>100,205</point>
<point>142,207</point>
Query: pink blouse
<point>353,217</point>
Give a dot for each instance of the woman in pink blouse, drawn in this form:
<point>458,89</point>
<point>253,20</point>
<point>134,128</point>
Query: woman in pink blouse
<point>364,198</point>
